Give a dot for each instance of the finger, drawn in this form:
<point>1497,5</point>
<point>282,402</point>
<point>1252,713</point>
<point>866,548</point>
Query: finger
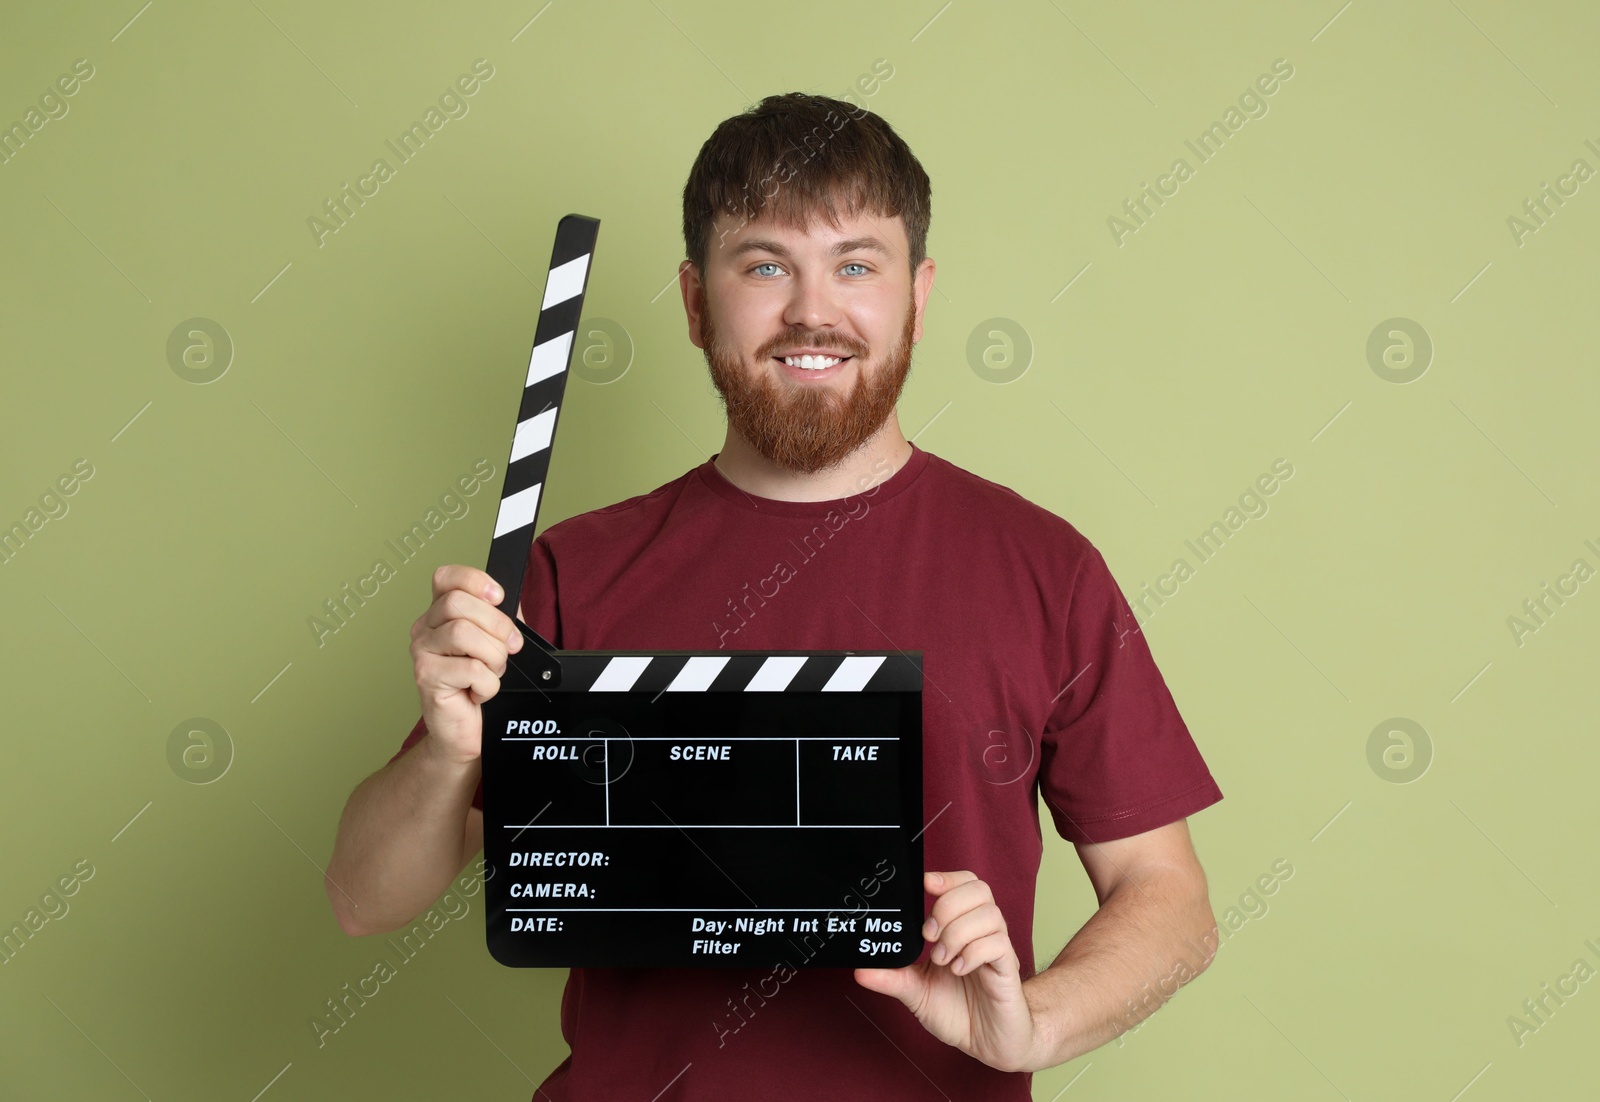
<point>955,901</point>
<point>905,984</point>
<point>940,882</point>
<point>966,928</point>
<point>467,578</point>
<point>477,583</point>
<point>462,637</point>
<point>457,604</point>
<point>439,675</point>
<point>994,949</point>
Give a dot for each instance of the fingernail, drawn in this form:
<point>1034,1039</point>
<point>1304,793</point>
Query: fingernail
<point>493,593</point>
<point>937,879</point>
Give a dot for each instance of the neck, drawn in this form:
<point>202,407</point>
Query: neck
<point>873,463</point>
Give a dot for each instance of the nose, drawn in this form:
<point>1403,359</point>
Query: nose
<point>813,305</point>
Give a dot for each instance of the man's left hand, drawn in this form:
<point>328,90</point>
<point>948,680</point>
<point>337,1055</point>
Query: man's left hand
<point>968,990</point>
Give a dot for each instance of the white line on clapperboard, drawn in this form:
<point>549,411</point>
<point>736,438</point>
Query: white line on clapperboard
<point>796,739</point>
<point>609,825</point>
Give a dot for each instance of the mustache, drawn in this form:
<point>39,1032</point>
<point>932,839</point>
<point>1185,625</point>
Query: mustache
<point>802,340</point>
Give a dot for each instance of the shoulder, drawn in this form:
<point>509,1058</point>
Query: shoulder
<point>991,507</point>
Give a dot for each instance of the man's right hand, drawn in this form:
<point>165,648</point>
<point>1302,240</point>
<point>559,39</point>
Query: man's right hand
<point>458,652</point>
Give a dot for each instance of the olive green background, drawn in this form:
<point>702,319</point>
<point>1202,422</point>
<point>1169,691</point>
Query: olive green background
<point>1163,375</point>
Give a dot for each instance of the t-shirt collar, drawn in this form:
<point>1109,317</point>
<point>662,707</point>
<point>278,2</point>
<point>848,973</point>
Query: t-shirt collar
<point>718,483</point>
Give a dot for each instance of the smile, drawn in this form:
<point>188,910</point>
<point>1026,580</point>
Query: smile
<point>812,363</point>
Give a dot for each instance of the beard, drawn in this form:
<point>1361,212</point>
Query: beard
<point>804,427</point>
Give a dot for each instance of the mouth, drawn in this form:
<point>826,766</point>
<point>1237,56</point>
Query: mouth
<point>812,366</point>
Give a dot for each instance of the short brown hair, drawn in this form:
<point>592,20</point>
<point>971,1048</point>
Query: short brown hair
<point>789,156</point>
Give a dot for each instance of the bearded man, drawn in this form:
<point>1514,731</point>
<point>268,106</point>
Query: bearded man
<point>819,526</point>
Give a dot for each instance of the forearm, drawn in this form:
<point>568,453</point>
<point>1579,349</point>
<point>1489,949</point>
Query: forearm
<point>401,840</point>
<point>1152,934</point>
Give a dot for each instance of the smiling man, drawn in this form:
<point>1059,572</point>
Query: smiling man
<point>819,526</point>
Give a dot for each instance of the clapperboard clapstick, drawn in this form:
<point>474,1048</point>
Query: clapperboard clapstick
<point>686,808</point>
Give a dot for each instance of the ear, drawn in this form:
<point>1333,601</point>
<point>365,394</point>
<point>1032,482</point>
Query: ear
<point>694,299</point>
<point>921,286</point>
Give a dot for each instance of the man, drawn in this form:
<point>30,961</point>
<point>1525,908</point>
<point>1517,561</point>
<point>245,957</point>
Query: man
<point>819,526</point>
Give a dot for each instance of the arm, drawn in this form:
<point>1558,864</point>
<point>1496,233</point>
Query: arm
<point>410,828</point>
<point>1153,932</point>
<point>401,840</point>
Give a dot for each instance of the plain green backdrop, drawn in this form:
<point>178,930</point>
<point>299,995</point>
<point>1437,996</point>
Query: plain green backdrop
<point>1165,370</point>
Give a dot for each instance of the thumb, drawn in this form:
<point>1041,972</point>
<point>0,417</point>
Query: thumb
<point>900,983</point>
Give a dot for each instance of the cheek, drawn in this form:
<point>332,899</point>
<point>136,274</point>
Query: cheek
<point>885,323</point>
<point>743,326</point>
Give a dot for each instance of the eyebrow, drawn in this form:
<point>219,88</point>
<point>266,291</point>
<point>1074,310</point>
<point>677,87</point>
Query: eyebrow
<point>850,245</point>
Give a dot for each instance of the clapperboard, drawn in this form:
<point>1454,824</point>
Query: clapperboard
<point>684,808</point>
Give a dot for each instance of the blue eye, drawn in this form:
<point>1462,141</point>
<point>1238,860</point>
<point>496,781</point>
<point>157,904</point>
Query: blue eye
<point>765,264</point>
<point>854,264</point>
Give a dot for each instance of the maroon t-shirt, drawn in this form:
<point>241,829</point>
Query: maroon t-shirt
<point>1037,681</point>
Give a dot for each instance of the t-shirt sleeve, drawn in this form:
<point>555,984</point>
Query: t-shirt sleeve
<point>1117,758</point>
<point>539,611</point>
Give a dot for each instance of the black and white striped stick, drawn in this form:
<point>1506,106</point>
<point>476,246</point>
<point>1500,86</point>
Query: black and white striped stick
<point>542,393</point>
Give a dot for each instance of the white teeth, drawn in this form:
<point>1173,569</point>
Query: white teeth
<point>812,363</point>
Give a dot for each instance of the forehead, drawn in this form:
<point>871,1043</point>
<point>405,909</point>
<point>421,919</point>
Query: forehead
<point>734,238</point>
